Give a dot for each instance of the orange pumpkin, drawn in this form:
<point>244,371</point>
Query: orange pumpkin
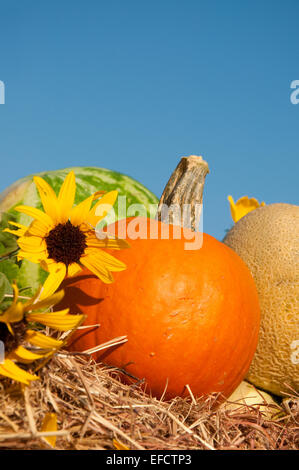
<point>191,317</point>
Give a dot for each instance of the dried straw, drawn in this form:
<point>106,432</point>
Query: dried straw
<point>94,408</point>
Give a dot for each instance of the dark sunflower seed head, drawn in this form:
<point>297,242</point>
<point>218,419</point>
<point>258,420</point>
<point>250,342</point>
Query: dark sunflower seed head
<point>66,243</point>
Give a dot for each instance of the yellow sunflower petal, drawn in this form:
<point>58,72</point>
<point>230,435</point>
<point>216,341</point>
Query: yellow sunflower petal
<point>61,321</point>
<point>80,212</point>
<point>45,303</point>
<point>16,224</point>
<point>16,293</point>
<point>119,445</point>
<point>23,355</point>
<point>48,264</point>
<point>73,269</point>
<point>97,268</point>
<point>38,229</point>
<point>105,259</point>
<point>43,218</point>
<point>13,314</point>
<point>32,244</point>
<point>57,273</point>
<point>16,233</point>
<point>102,208</point>
<point>243,206</point>
<point>63,312</point>
<point>111,243</point>
<point>48,197</point>
<point>49,425</point>
<point>21,229</point>
<point>66,197</point>
<point>11,370</point>
<point>42,341</point>
<point>10,328</point>
<point>33,257</point>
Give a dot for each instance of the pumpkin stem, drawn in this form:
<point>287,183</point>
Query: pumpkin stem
<point>181,201</point>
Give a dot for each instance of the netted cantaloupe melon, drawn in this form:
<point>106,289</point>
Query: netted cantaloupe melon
<point>267,239</point>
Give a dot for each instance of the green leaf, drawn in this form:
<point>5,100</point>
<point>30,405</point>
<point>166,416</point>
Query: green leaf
<point>10,269</point>
<point>5,287</point>
<point>24,289</point>
<point>7,239</point>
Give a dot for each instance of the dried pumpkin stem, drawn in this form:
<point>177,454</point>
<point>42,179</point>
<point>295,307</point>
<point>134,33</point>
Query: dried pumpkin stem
<point>181,201</point>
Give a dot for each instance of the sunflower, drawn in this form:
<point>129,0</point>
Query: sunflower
<point>243,206</point>
<point>62,239</point>
<point>25,345</point>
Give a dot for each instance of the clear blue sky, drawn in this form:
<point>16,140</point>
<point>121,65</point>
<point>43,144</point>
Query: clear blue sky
<point>134,85</point>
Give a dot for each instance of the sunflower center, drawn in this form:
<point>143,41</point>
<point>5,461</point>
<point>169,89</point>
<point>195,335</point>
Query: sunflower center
<point>10,341</point>
<point>66,243</point>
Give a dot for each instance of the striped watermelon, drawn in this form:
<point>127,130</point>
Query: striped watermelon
<point>88,181</point>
